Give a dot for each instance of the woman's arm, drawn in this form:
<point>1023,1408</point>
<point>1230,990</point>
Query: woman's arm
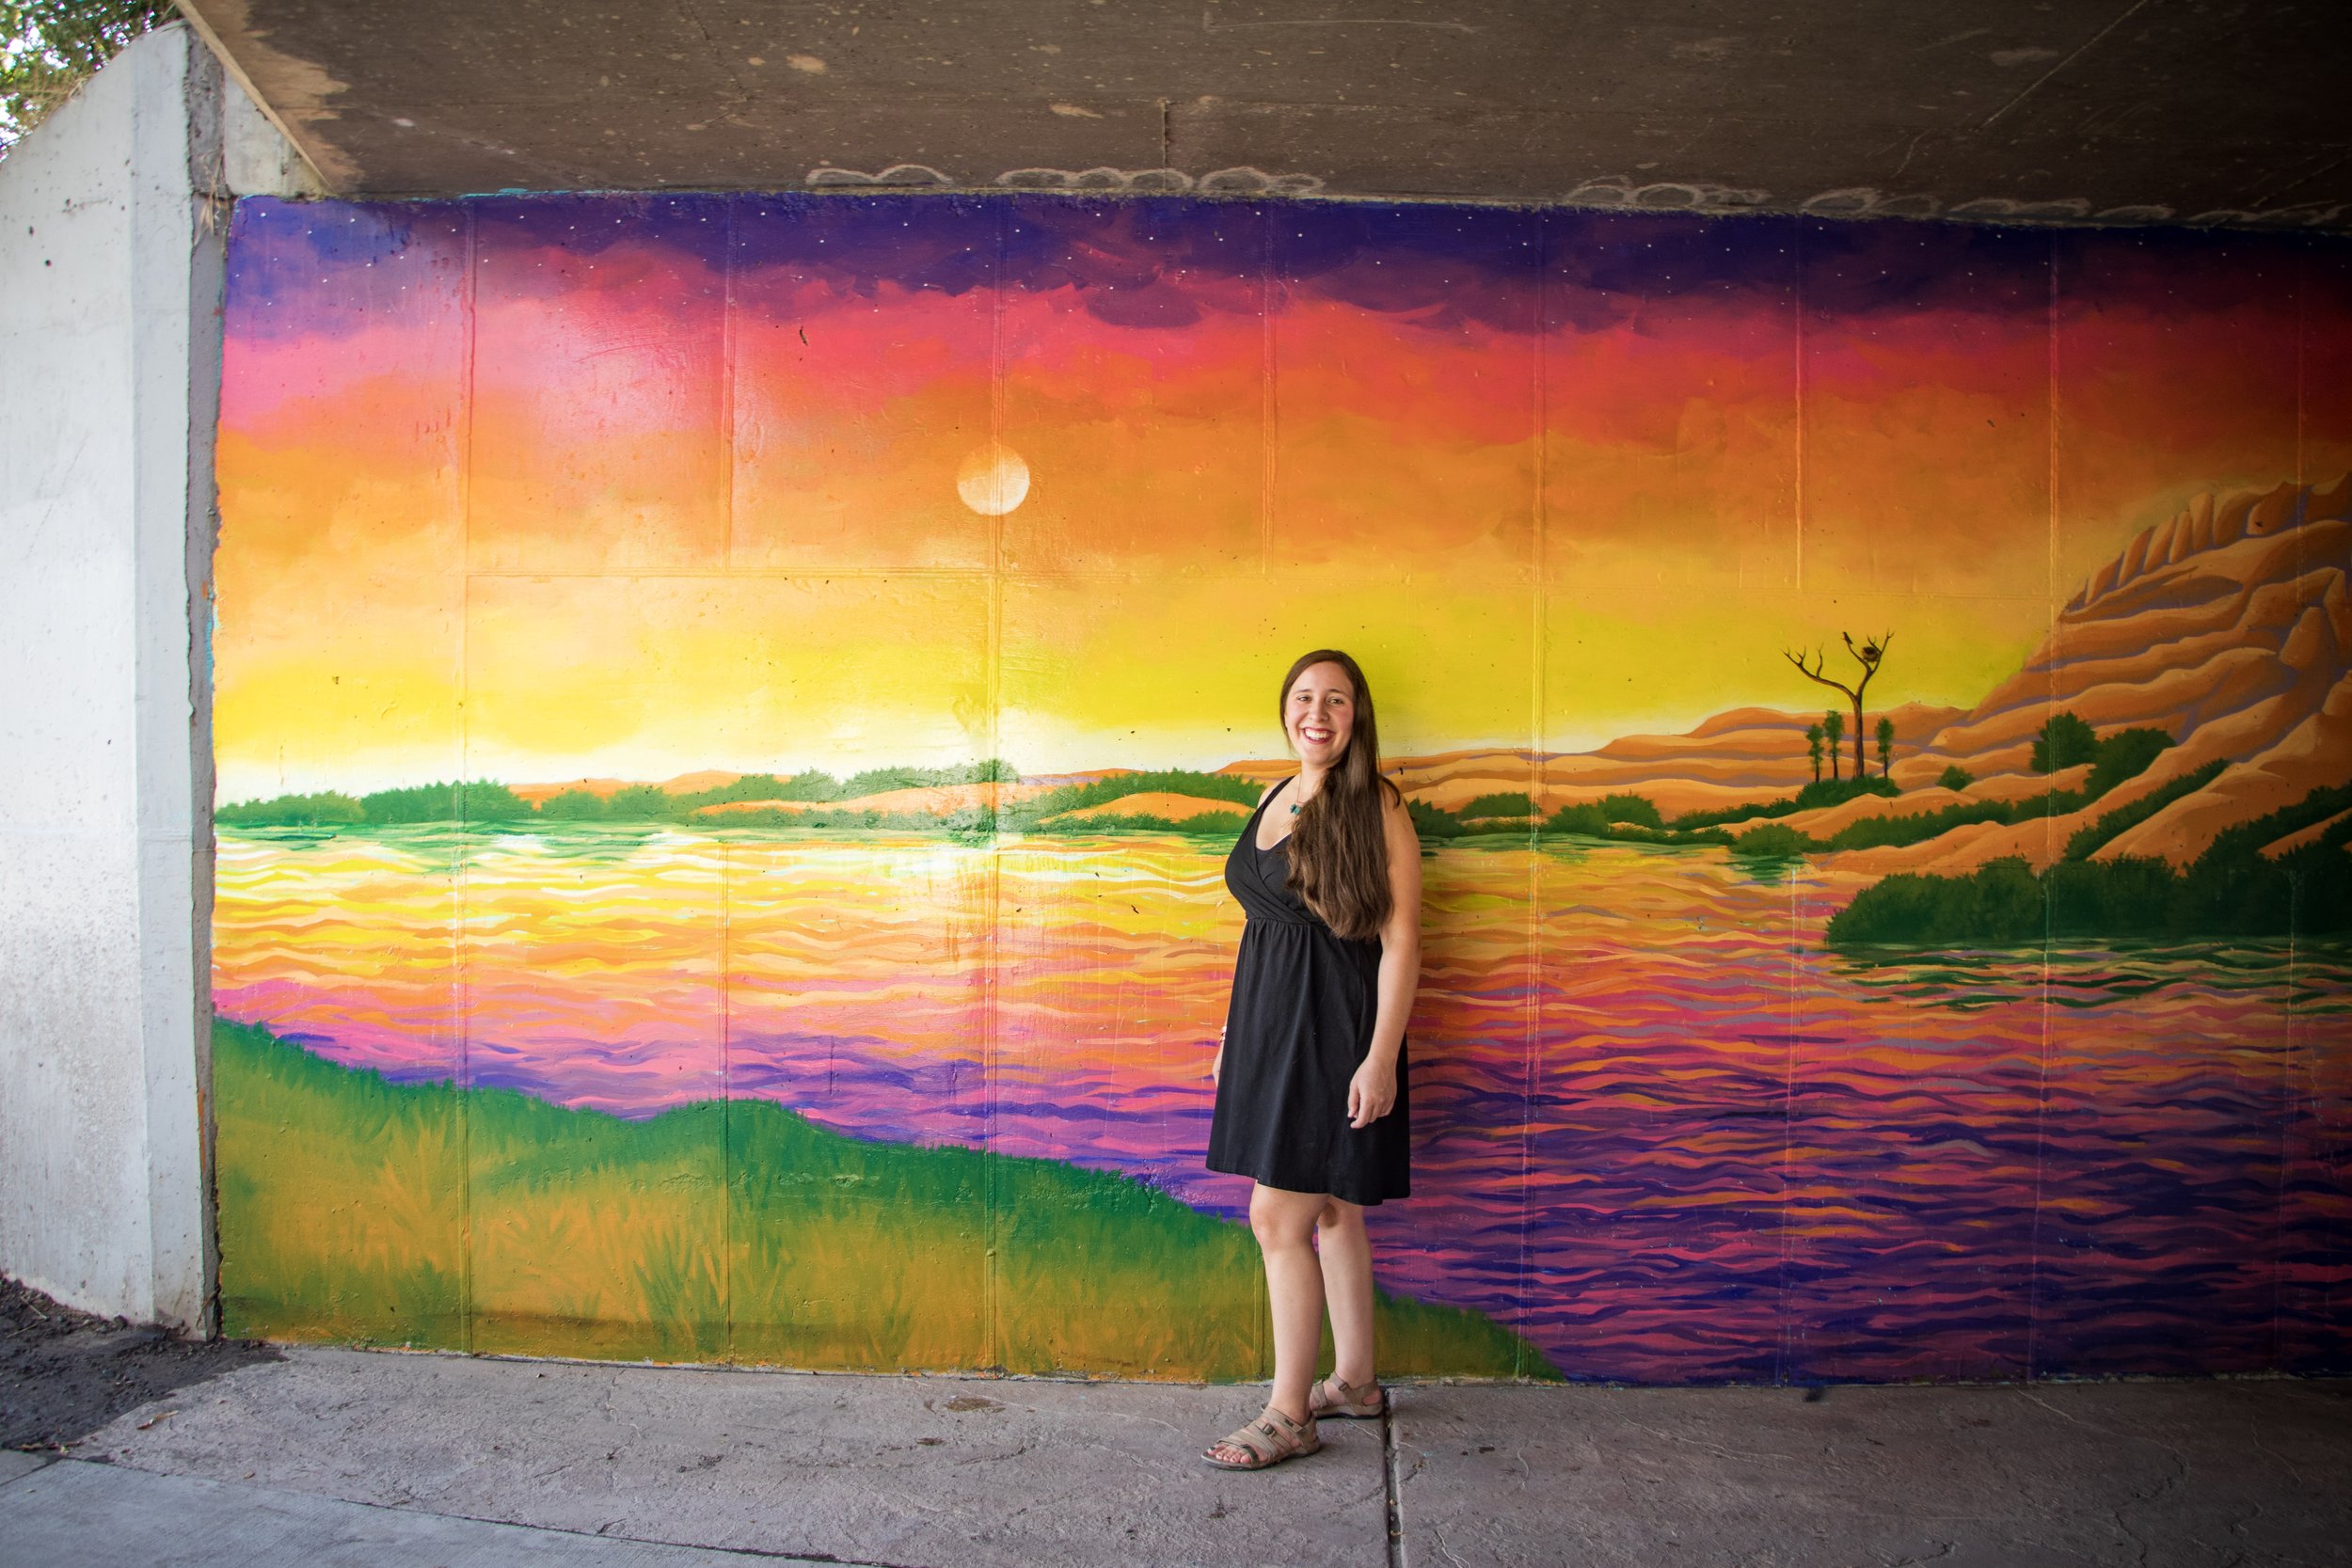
<point>1372,1093</point>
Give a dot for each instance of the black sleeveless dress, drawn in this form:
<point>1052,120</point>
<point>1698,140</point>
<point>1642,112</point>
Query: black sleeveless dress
<point>1300,1022</point>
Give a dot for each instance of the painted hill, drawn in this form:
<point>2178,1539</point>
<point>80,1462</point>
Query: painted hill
<point>604,789</point>
<point>1160,804</point>
<point>2227,627</point>
<point>1741,754</point>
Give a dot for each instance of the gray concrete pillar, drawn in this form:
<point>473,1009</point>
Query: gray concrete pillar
<point>112,222</point>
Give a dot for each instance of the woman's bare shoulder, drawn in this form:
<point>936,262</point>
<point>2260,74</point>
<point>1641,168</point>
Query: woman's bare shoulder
<point>1396,816</point>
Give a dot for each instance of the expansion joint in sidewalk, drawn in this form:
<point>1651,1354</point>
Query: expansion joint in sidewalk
<point>1389,1482</point>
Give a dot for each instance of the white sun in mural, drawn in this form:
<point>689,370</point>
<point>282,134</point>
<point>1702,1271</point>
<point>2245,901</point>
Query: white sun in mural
<point>993,479</point>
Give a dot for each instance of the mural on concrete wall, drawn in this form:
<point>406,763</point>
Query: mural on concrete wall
<point>730,712</point>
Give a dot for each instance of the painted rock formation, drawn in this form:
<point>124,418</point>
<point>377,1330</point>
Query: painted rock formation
<point>2228,627</point>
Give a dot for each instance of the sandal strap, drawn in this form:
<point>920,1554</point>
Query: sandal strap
<point>1297,1431</point>
<point>1263,1440</point>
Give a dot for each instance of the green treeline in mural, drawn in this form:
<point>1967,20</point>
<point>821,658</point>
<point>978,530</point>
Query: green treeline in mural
<point>730,710</point>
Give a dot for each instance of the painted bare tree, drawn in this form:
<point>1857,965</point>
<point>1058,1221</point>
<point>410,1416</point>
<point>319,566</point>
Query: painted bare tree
<point>1869,655</point>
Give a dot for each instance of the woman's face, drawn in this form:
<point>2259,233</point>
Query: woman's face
<point>1319,714</point>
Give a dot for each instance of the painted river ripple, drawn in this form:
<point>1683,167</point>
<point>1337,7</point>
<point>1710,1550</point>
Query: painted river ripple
<point>1659,1129</point>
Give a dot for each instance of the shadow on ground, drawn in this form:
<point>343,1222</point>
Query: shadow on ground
<point>64,1374</point>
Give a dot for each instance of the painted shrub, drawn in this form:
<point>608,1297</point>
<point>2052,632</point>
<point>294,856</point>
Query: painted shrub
<point>730,710</point>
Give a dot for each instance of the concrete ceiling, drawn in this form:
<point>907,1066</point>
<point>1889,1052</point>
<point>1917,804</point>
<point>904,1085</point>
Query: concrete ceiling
<point>2116,111</point>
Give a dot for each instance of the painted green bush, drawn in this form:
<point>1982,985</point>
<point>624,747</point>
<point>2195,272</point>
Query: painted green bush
<point>1622,816</point>
<point>2065,740</point>
<point>327,808</point>
<point>1434,822</point>
<point>2123,756</point>
<point>1635,809</point>
<point>1516,802</point>
<point>1821,793</point>
<point>1772,841</point>
<point>2231,890</point>
<point>1836,792</point>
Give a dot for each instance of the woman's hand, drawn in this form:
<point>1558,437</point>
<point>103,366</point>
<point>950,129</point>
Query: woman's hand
<point>1372,1093</point>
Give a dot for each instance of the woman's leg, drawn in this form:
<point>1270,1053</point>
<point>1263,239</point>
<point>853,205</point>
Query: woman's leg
<point>1285,1226</point>
<point>1284,1222</point>
<point>1346,1254</point>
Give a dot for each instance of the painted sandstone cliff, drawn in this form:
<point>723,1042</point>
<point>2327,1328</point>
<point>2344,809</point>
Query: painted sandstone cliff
<point>2227,627</point>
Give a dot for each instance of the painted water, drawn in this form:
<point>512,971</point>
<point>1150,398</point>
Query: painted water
<point>1659,1129</point>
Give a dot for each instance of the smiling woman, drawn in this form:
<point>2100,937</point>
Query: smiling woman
<point>1312,1103</point>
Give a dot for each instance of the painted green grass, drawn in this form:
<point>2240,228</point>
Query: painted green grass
<point>346,1203</point>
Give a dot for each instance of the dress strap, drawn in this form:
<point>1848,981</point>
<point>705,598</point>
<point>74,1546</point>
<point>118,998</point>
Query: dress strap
<point>1259,810</point>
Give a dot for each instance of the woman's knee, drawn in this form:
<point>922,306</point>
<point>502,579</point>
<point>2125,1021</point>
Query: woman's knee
<point>1339,1217</point>
<point>1280,1220</point>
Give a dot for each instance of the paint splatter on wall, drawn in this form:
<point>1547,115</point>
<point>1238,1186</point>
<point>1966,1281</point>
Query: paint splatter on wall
<point>729,712</point>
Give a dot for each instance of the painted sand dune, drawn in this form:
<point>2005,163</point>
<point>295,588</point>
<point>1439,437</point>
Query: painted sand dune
<point>1740,755</point>
<point>1162,804</point>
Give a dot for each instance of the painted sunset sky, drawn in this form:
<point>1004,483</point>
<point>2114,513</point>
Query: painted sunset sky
<point>541,488</point>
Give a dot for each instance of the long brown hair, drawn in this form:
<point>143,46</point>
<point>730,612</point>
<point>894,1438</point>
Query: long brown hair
<point>1339,848</point>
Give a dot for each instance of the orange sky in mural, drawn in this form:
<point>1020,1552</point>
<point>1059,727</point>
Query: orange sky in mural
<point>620,510</point>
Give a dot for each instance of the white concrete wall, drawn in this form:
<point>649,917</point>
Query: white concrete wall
<point>109,373</point>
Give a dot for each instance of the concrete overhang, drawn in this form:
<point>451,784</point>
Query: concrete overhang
<point>2114,111</point>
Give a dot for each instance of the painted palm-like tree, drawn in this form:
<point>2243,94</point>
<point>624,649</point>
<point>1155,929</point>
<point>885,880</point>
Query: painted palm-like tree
<point>1834,731</point>
<point>1887,746</point>
<point>1869,655</point>
<point>1813,736</point>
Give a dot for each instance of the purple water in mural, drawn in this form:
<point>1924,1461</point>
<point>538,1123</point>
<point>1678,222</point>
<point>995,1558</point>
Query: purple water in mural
<point>1673,1139</point>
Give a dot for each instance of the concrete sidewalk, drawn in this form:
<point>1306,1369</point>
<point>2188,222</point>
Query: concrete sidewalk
<point>345,1457</point>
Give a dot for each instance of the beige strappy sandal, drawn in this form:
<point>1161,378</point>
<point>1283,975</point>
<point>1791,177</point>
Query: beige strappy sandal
<point>1336,1396</point>
<point>1268,1440</point>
